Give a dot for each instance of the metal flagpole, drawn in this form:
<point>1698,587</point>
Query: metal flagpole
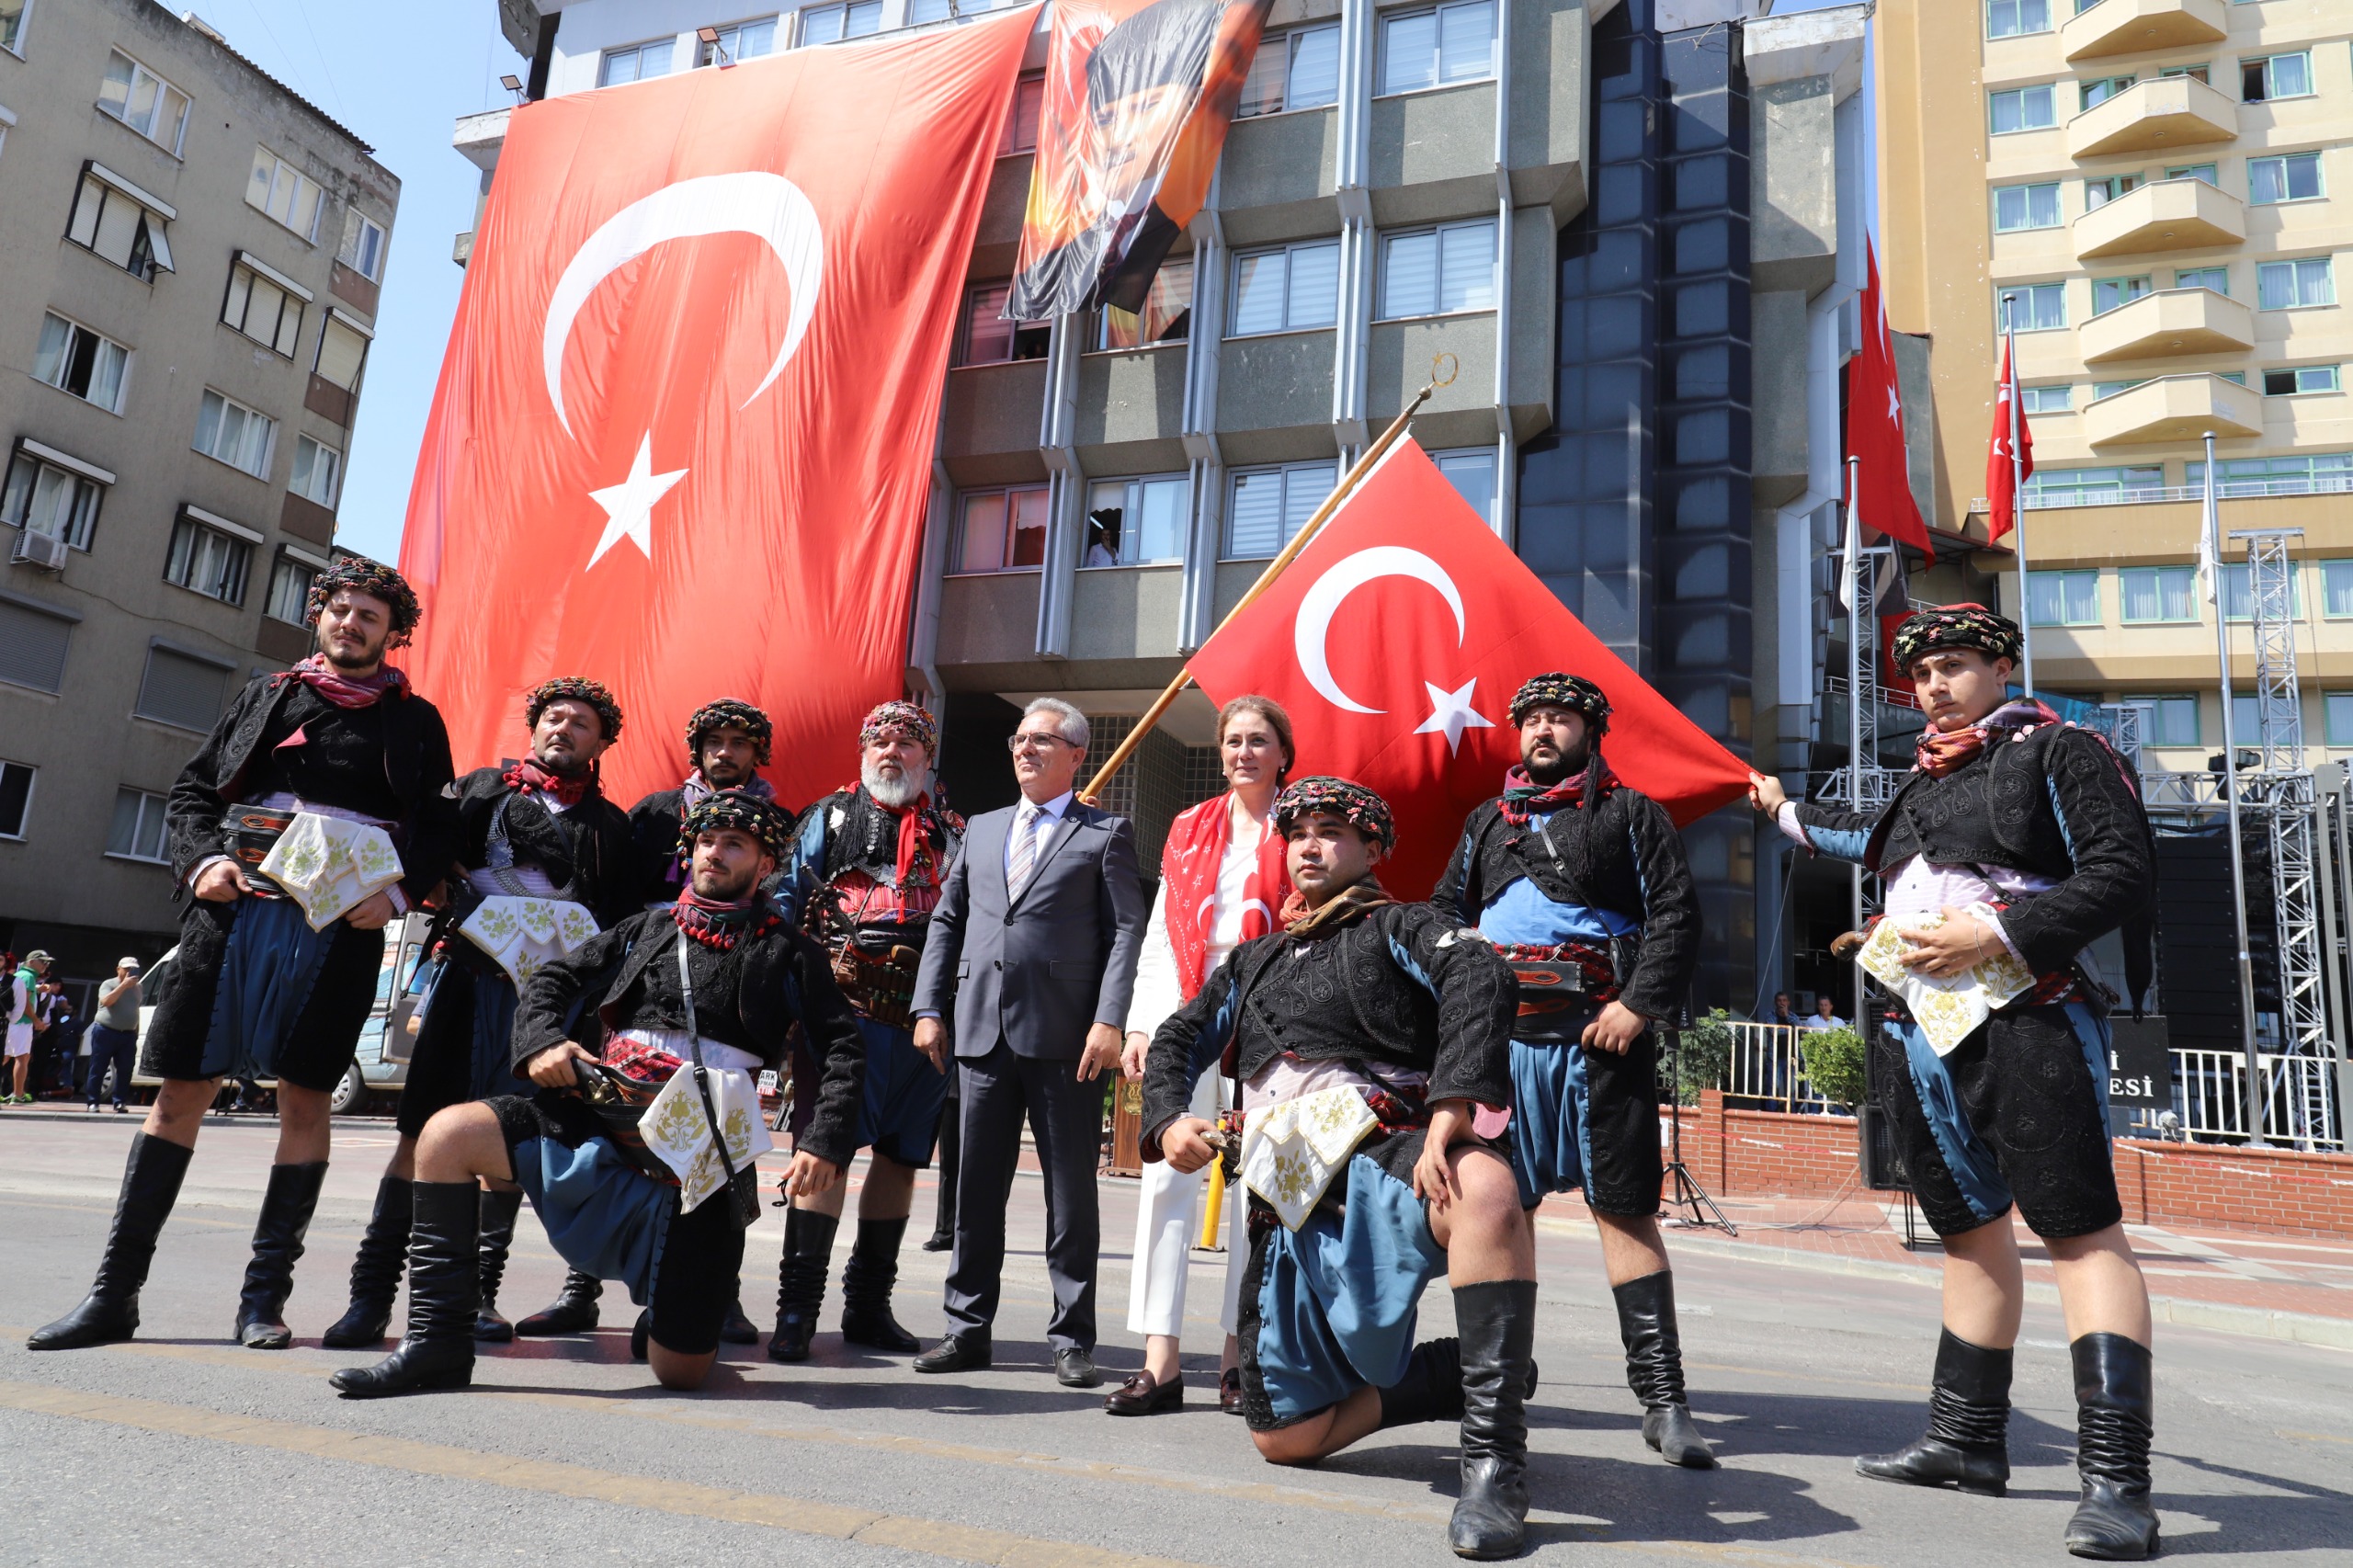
<point>1861,676</point>
<point>2017,494</point>
<point>2209,551</point>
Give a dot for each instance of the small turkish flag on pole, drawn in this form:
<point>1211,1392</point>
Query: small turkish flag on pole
<point>2010,458</point>
<point>1875,427</point>
<point>1396,641</point>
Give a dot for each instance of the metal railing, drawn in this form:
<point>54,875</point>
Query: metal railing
<point>1766,1070</point>
<point>2053,497</point>
<point>2298,1098</point>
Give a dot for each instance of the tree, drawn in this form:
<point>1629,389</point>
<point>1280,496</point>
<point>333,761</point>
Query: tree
<point>1833,1064</point>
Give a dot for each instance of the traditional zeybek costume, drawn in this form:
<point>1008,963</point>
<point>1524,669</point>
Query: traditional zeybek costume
<point>537,852</point>
<point>276,983</point>
<point>667,990</point>
<point>2036,827</point>
<point>1340,1031</point>
<point>862,879</point>
<point>1584,889</point>
<point>655,822</point>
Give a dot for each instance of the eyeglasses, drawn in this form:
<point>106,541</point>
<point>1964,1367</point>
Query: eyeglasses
<point>1029,739</point>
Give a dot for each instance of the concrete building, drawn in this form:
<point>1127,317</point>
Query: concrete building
<point>1634,224</point>
<point>189,268</point>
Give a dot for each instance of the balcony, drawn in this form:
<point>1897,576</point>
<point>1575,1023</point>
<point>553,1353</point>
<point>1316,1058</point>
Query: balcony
<point>2154,116</point>
<point>2174,322</point>
<point>2174,408</point>
<point>2142,27</point>
<point>2165,214</point>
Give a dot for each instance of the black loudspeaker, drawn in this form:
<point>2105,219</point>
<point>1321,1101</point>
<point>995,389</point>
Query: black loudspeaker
<point>1882,1171</point>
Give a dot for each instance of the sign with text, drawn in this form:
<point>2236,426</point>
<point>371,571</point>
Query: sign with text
<point>2140,1064</point>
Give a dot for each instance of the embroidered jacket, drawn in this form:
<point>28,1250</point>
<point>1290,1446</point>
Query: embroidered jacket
<point>847,845</point>
<point>585,850</point>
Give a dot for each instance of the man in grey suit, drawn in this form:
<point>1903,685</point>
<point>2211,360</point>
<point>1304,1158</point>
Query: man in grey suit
<point>1033,955</point>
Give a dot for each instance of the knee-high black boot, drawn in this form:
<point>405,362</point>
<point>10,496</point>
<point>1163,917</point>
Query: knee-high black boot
<point>151,1183</point>
<point>1431,1389</point>
<point>444,1290</point>
<point>375,1270</point>
<point>867,1281</point>
<point>572,1312</point>
<point>1497,1323</point>
<point>498,1213</point>
<point>943,1225</point>
<point>1967,1444</point>
<point>1654,1368</point>
<point>801,1281</point>
<point>2115,1418</point>
<point>287,1204</point>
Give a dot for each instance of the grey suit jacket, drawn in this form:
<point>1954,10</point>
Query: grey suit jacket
<point>1036,971</point>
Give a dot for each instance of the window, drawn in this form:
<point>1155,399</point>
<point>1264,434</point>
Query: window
<point>1167,316</point>
<point>2238,599</point>
<point>115,219</point>
<point>743,41</point>
<point>2336,589</point>
<point>2063,599</point>
<point>1284,291</point>
<point>1135,522</point>
<point>2217,278</point>
<point>1002,530</point>
<point>2293,285</point>
<point>1020,134</point>
<point>15,784</point>
<point>138,829</point>
<point>12,25</point>
<point>2168,721</point>
<point>75,359</point>
<point>2339,707</point>
<point>830,24</point>
<point>2152,595</point>
<point>2301,473</point>
<point>364,240</point>
<point>50,494</point>
<point>2008,19</point>
<point>290,588</point>
<point>1473,474</point>
<point>636,62</point>
<point>179,689</point>
<point>2093,486</point>
<point>284,192</point>
<point>2026,206</point>
<point>143,101</point>
<point>2195,171</point>
<point>265,304</point>
<point>2025,108</point>
<point>318,471</point>
<point>2099,89</point>
<point>1432,48</point>
<point>2099,193</point>
<point>2037,307</point>
<point>1269,505</point>
<point>343,351</point>
<point>32,645</point>
<point>2108,294</point>
<point>2197,72</point>
<point>2110,389</point>
<point>234,434</point>
<point>2282,76</point>
<point>990,339</point>
<point>2294,177</point>
<point>1432,271</point>
<point>2046,400</point>
<point>1300,69</point>
<point>207,560</point>
<point>2297,382</point>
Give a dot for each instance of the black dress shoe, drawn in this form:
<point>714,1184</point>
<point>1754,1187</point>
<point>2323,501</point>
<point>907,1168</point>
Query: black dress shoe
<point>739,1329</point>
<point>939,1241</point>
<point>1229,1391</point>
<point>966,1352</point>
<point>1076,1369</point>
<point>1140,1396</point>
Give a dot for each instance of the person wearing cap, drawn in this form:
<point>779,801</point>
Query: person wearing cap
<point>24,1021</point>
<point>339,749</point>
<point>2016,842</point>
<point>1373,1063</point>
<point>862,878</point>
<point>716,981</point>
<point>1582,884</point>
<point>540,828</point>
<point>114,1036</point>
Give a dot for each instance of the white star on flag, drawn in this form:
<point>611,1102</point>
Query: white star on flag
<point>1894,404</point>
<point>629,506</point>
<point>1452,714</point>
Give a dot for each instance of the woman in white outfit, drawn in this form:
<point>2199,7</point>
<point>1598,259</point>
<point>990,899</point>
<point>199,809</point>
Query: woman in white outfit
<point>1221,879</point>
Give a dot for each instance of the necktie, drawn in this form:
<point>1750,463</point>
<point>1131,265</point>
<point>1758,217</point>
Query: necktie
<point>1024,850</point>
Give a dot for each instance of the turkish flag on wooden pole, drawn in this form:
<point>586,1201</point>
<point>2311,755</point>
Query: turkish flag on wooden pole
<point>1875,427</point>
<point>1396,639</point>
<point>682,440</point>
<point>2010,456</point>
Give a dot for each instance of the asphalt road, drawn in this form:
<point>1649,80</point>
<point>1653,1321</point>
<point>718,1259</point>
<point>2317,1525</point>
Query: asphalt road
<point>182,1448</point>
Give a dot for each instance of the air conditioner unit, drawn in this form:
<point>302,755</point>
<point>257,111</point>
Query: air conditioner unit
<point>44,550</point>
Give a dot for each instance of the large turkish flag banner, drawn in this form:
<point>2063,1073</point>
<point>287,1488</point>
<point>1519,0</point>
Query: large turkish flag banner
<point>1396,641</point>
<point>682,442</point>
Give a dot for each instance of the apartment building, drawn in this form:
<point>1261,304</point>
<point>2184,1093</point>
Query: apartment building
<point>2162,190</point>
<point>189,266</point>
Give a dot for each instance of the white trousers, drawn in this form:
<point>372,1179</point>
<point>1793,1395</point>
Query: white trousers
<point>1165,1227</point>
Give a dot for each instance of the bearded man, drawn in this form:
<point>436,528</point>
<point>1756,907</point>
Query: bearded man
<point>863,879</point>
<point>540,829</point>
<point>336,751</point>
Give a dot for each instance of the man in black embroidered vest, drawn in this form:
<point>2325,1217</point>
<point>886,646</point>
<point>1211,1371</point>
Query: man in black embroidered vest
<point>1582,885</point>
<point>2015,843</point>
<point>717,979</point>
<point>336,753</point>
<point>540,830</point>
<point>1370,1040</point>
<point>863,877</point>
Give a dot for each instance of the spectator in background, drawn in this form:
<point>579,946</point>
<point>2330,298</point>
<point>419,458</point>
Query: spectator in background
<point>58,1043</point>
<point>114,1034</point>
<point>24,1021</point>
<point>1784,1012</point>
<point>1826,1015</point>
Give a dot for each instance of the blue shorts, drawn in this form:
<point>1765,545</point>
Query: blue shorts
<point>899,1118</point>
<point>1586,1119</point>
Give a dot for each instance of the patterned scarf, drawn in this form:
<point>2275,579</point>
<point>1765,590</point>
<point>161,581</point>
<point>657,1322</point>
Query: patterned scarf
<point>1359,899</point>
<point>1938,754</point>
<point>531,777</point>
<point>1190,864</point>
<point>345,691</point>
<point>1524,798</point>
<point>720,926</point>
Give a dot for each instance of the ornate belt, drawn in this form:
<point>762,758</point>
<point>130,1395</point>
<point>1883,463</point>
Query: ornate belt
<point>250,833</point>
<point>1559,983</point>
<point>876,970</point>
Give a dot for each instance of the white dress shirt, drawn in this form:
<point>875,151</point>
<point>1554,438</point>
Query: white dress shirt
<point>1039,820</point>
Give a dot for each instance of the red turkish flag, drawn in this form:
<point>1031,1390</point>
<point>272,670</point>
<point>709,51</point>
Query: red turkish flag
<point>682,442</point>
<point>1875,427</point>
<point>1396,641</point>
<point>2001,478</point>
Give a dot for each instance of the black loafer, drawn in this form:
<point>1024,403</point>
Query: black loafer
<point>1076,1369</point>
<point>1140,1396</point>
<point>956,1353</point>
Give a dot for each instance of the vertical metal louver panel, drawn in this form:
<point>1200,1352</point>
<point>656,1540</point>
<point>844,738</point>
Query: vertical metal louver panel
<point>32,648</point>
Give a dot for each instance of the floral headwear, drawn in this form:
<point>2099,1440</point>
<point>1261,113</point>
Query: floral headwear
<point>903,717</point>
<point>1351,803</point>
<point>728,711</point>
<point>1555,689</point>
<point>744,812</point>
<point>576,688</point>
<point>1957,626</point>
<point>376,580</point>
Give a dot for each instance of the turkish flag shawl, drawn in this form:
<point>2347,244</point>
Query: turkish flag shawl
<point>1875,427</point>
<point>1189,869</point>
<point>683,436</point>
<point>1396,641</point>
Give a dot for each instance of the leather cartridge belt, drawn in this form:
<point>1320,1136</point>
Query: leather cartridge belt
<point>248,835</point>
<point>1560,982</point>
<point>875,966</point>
